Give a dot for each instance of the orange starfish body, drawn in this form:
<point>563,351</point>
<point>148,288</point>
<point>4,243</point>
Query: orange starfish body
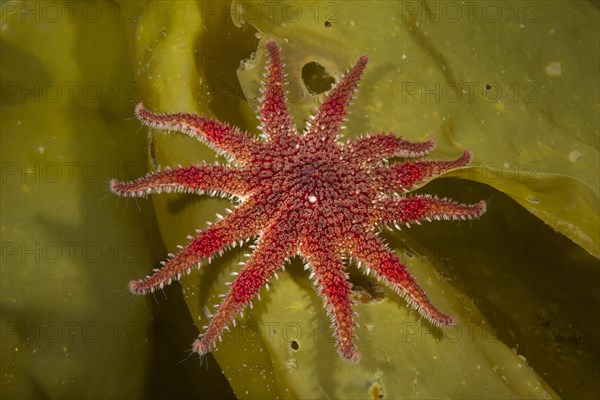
<point>308,194</point>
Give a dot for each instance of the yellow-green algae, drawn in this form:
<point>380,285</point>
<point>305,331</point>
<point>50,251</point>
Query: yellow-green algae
<point>525,296</point>
<point>524,146</point>
<point>69,329</point>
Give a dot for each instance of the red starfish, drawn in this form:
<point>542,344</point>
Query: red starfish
<point>301,193</point>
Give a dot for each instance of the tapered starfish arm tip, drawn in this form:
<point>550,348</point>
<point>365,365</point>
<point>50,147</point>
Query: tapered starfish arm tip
<point>272,48</point>
<point>465,159</point>
<point>136,287</point>
<point>378,148</point>
<point>140,110</point>
<point>402,177</point>
<point>482,206</point>
<point>330,116</point>
<point>219,136</point>
<point>200,347</point>
<point>274,115</point>
<point>417,208</point>
<point>331,280</point>
<point>216,179</point>
<point>115,187</point>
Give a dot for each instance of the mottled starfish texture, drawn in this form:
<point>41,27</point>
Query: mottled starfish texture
<point>308,194</point>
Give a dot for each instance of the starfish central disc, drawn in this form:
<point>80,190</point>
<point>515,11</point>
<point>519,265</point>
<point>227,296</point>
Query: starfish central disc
<point>317,174</point>
<point>302,193</point>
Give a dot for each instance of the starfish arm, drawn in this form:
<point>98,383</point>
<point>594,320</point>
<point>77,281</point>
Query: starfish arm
<point>368,248</point>
<point>330,116</point>
<point>219,136</point>
<point>274,114</point>
<point>197,179</point>
<point>375,148</point>
<point>414,209</point>
<point>331,280</point>
<point>274,247</point>
<point>402,176</point>
<point>235,228</point>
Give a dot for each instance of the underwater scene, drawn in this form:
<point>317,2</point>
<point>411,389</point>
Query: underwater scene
<point>300,199</point>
